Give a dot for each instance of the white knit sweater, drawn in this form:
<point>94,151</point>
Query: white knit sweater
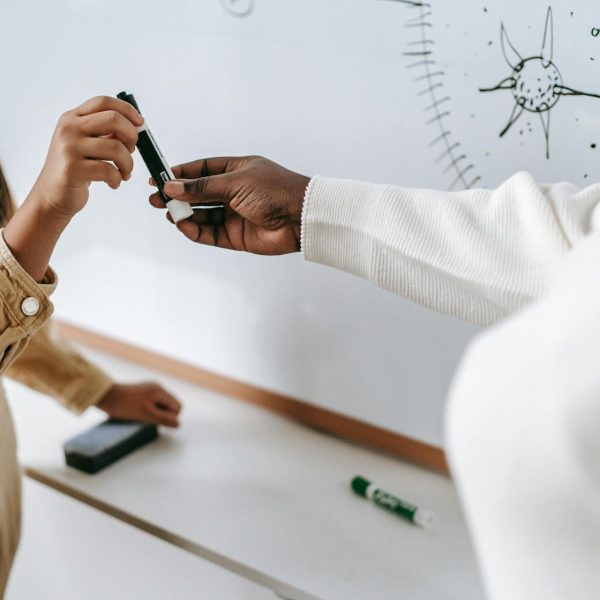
<point>524,416</point>
<point>523,435</point>
<point>477,255</point>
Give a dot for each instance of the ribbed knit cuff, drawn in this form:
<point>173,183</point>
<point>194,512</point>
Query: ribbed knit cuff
<point>336,217</point>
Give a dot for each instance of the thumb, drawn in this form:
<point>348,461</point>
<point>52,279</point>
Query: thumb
<point>214,188</point>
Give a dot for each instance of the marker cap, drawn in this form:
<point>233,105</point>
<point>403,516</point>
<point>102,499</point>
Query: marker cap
<point>179,210</point>
<point>359,485</point>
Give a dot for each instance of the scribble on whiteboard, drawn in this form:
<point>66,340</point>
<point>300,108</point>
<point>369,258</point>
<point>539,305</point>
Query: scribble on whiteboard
<point>238,8</point>
<point>535,81</point>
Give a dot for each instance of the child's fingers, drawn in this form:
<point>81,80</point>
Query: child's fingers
<point>109,149</point>
<point>102,103</point>
<point>161,416</point>
<point>166,401</point>
<point>110,123</point>
<point>97,170</point>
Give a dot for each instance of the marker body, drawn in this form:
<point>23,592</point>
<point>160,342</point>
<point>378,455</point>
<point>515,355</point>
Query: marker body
<point>157,165</point>
<point>365,488</point>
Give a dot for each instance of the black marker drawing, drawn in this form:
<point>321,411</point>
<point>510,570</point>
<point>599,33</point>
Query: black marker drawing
<point>535,82</point>
<point>238,8</point>
<point>596,31</point>
<point>412,2</point>
<point>430,78</point>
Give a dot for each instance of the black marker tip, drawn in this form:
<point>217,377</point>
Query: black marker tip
<point>130,99</point>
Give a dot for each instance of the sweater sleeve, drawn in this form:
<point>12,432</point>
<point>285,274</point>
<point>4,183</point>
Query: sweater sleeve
<point>477,254</point>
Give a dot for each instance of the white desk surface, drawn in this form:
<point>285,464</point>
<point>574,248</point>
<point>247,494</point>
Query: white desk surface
<point>264,497</point>
<point>70,551</point>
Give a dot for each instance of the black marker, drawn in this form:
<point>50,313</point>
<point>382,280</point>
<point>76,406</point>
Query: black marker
<point>157,165</point>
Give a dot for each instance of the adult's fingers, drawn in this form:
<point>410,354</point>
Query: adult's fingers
<point>110,123</point>
<point>212,188</point>
<point>209,214</point>
<point>209,166</point>
<point>103,103</point>
<point>214,235</point>
<point>205,167</point>
<point>205,214</point>
<point>156,200</point>
<point>109,149</point>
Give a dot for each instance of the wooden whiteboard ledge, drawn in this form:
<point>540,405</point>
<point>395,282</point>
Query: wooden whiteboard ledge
<point>316,417</point>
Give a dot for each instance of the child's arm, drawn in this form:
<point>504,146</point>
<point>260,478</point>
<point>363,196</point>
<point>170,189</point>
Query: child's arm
<point>86,143</point>
<point>91,143</point>
<point>50,365</point>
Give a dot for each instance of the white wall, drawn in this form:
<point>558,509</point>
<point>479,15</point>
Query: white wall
<point>322,86</point>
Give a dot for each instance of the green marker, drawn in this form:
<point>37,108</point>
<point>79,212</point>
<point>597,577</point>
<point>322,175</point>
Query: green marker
<point>365,488</point>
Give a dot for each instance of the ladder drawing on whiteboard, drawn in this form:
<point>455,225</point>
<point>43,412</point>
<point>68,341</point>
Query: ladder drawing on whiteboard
<point>452,159</point>
<point>535,81</point>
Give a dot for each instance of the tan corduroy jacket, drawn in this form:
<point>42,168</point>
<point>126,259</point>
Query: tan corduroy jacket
<point>32,353</point>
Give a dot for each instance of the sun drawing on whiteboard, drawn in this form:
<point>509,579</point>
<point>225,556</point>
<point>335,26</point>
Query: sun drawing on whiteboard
<point>535,82</point>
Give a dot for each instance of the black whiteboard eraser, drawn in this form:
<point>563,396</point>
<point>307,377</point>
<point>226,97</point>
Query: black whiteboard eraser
<point>106,443</point>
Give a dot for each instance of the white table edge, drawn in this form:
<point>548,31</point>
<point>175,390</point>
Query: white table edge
<point>280,588</point>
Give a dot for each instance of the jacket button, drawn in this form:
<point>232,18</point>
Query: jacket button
<point>30,306</point>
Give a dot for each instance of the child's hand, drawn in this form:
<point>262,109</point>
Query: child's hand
<point>93,142</point>
<point>141,402</point>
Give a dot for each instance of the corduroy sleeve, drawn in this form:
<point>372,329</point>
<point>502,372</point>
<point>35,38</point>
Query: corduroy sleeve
<point>24,306</point>
<point>49,364</point>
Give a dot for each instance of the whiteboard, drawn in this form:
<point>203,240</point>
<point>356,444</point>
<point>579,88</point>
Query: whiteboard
<point>377,90</point>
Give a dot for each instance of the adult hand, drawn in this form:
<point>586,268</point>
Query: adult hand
<point>147,402</point>
<point>262,203</point>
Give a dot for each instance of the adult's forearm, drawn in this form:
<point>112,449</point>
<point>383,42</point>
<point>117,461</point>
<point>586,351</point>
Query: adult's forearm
<point>477,255</point>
